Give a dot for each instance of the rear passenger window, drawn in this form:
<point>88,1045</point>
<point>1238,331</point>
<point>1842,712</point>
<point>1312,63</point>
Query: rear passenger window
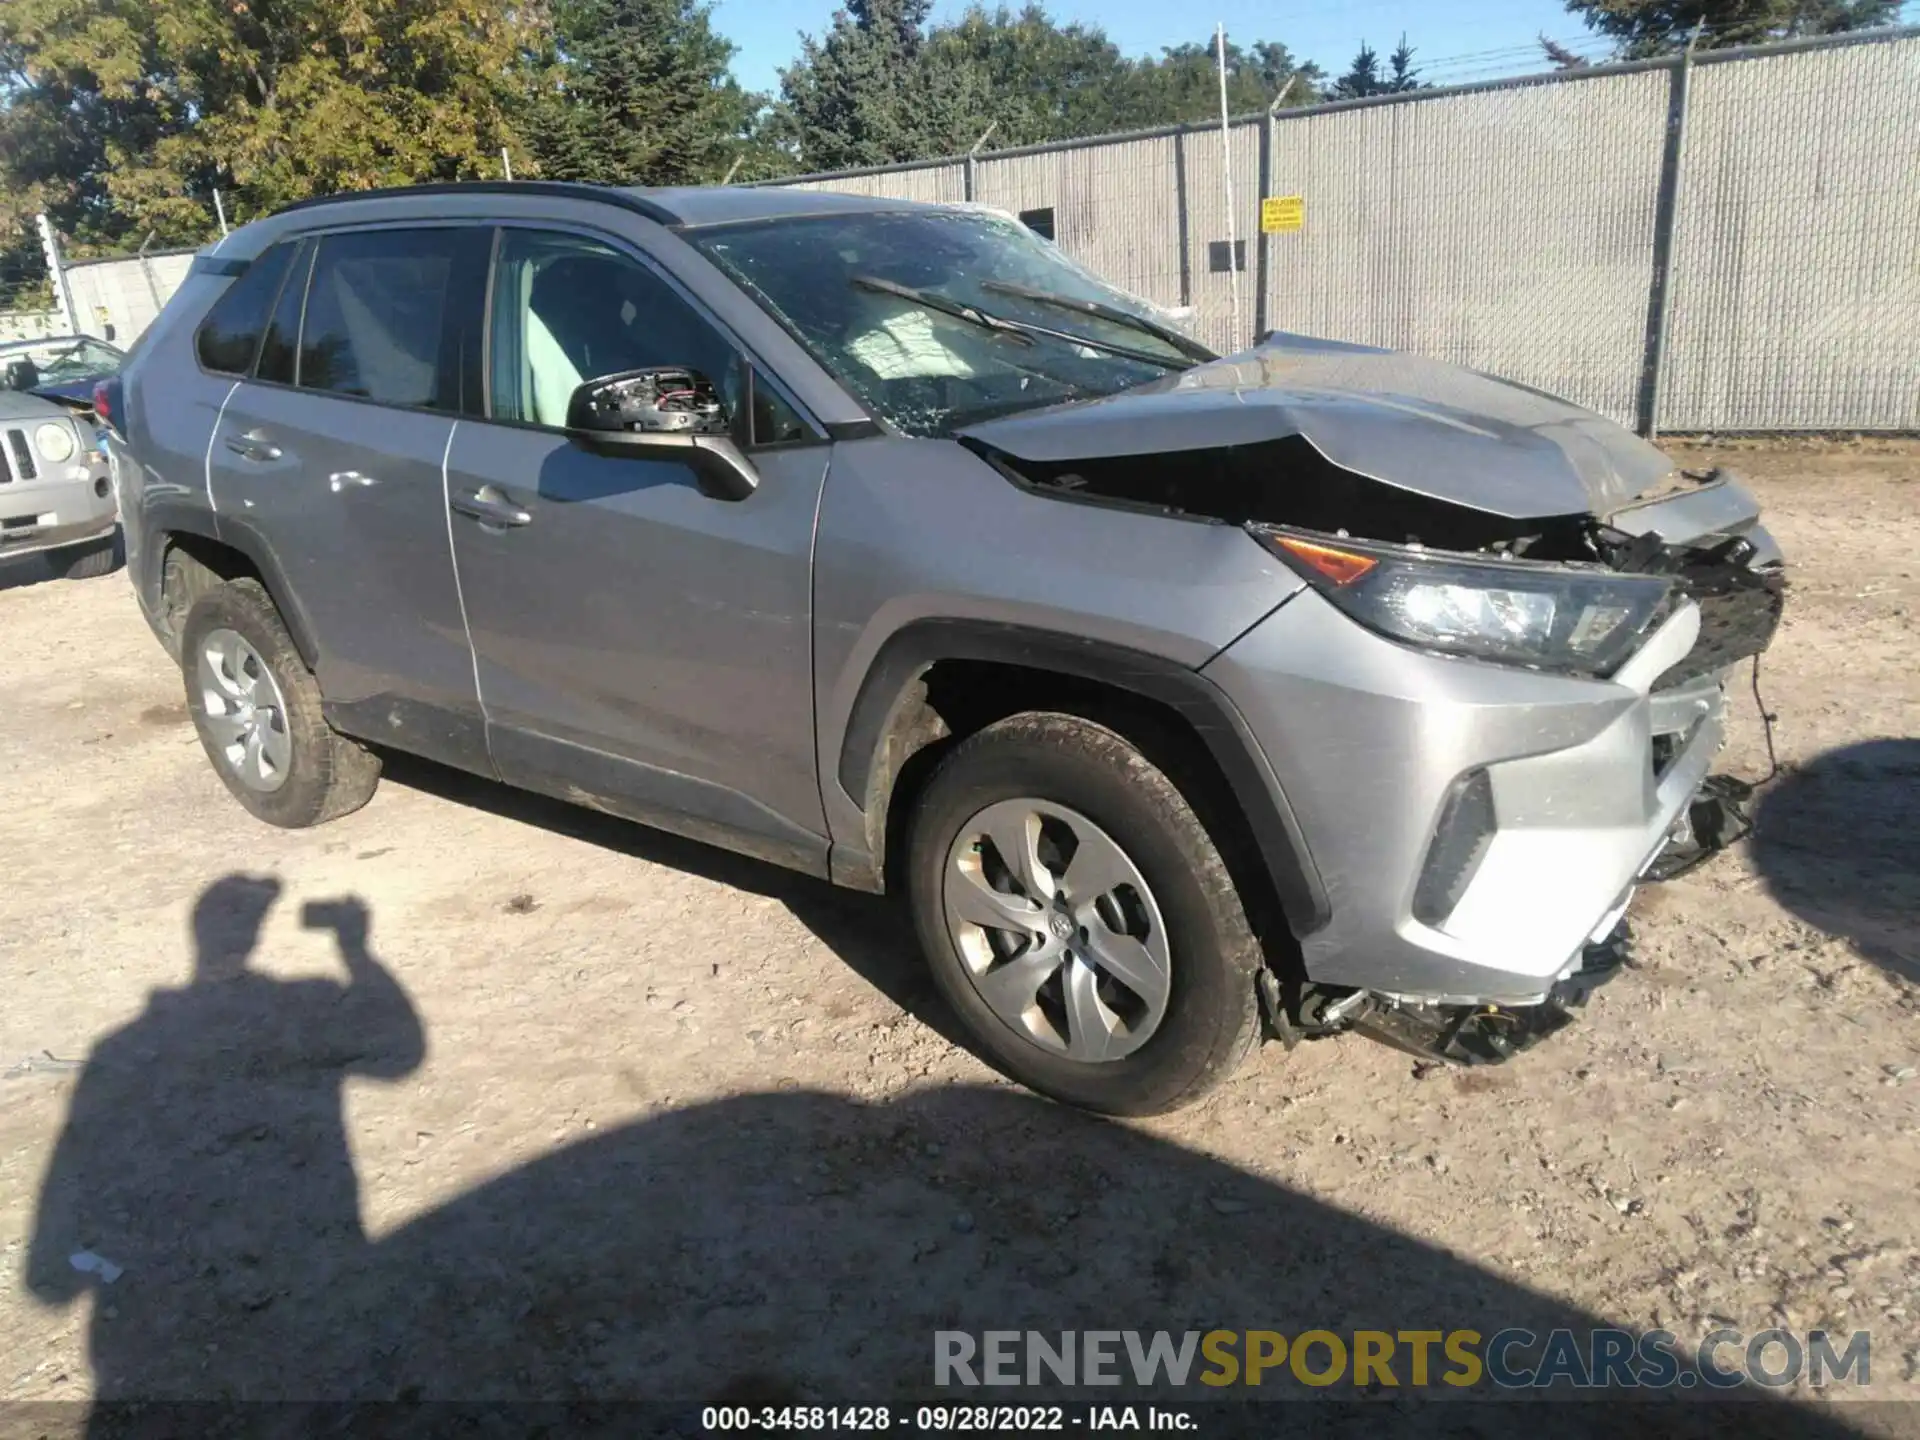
<point>230,334</point>
<point>388,314</point>
<point>283,330</point>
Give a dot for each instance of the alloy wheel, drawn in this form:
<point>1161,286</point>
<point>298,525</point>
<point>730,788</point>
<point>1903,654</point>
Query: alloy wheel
<point>1059,932</point>
<point>245,712</point>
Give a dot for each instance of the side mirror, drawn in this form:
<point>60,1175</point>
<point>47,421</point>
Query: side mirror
<point>664,412</point>
<point>22,374</point>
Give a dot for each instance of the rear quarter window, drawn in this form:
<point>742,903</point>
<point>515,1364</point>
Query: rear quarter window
<point>229,337</point>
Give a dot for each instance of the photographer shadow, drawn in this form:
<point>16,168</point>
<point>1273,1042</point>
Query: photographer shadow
<point>205,1150</point>
<point>773,1248</point>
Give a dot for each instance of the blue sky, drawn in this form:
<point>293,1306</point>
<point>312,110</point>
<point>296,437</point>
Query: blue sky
<point>1463,39</point>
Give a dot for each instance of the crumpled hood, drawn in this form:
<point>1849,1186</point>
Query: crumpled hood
<point>1420,425</point>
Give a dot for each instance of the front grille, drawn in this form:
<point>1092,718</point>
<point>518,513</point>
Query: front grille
<point>1739,611</point>
<point>21,454</point>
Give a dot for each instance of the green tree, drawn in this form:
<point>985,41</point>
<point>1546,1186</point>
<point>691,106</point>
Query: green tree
<point>1028,78</point>
<point>1183,84</point>
<point>858,95</point>
<point>1362,78</point>
<point>1561,57</point>
<point>123,115</point>
<point>880,87</point>
<point>640,93</point>
<point>1401,76</point>
<point>1654,27</point>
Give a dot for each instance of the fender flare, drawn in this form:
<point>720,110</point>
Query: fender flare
<point>886,694</point>
<point>169,518</point>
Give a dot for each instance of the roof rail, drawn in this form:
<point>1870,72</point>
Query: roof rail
<point>570,189</point>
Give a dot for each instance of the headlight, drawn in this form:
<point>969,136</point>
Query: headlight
<point>54,442</point>
<point>1518,612</point>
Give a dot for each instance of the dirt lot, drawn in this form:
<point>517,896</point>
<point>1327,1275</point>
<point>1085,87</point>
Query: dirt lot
<point>545,1105</point>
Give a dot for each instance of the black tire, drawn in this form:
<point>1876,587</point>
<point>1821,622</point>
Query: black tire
<point>88,564</point>
<point>329,775</point>
<point>1212,1017</point>
<point>183,580</point>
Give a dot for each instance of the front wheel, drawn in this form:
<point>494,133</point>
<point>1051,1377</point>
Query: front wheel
<point>1079,919</point>
<point>257,709</point>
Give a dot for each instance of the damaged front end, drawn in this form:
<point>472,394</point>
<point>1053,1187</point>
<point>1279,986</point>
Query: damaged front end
<point>1460,518</point>
<point>1490,1034</point>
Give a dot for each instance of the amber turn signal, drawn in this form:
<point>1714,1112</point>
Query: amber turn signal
<point>1342,567</point>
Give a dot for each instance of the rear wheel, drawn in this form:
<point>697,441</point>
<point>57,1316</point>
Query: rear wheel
<point>1079,918</point>
<point>256,707</point>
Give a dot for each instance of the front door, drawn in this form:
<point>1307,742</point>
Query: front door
<point>642,646</point>
<point>332,453</point>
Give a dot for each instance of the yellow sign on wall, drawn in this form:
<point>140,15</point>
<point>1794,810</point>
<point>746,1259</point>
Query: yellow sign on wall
<point>1279,213</point>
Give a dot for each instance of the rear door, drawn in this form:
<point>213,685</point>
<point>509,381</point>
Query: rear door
<point>172,390</point>
<point>642,644</point>
<point>331,455</point>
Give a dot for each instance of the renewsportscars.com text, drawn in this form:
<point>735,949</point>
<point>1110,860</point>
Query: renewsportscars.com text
<point>1508,1359</point>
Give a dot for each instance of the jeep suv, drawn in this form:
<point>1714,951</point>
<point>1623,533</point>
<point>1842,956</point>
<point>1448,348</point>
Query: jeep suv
<point>56,491</point>
<point>1185,699</point>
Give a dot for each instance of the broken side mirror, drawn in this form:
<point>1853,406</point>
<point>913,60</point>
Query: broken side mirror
<point>663,412</point>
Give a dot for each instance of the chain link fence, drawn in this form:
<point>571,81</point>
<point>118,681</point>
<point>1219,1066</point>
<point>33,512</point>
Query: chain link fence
<point>1729,241</point>
<point>1725,241</point>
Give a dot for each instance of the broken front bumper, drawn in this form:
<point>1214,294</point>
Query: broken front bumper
<point>1476,827</point>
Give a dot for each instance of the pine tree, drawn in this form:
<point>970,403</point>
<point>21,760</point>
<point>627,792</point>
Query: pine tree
<point>1401,76</point>
<point>1362,77</point>
<point>857,96</point>
<point>1560,55</point>
<point>1653,27</point>
<point>644,95</point>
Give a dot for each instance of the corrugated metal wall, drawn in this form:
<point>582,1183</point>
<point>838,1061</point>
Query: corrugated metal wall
<point>1507,230</point>
<point>1115,206</point>
<point>1213,290</point>
<point>1512,228</point>
<point>1796,279</point>
<point>943,183</point>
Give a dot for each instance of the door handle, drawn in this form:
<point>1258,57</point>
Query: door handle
<point>254,446</point>
<point>345,479</point>
<point>490,507</point>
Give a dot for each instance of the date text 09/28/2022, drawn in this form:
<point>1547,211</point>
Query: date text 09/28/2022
<point>941,1419</point>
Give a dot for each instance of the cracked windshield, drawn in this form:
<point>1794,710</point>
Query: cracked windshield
<point>937,320</point>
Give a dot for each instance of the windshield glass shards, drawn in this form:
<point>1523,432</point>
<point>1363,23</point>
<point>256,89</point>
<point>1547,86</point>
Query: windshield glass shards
<point>936,319</point>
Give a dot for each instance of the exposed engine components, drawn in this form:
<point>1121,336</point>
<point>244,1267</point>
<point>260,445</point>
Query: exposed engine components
<point>1456,1034</point>
<point>1489,1034</point>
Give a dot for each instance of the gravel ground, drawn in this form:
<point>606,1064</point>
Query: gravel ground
<point>515,1100</point>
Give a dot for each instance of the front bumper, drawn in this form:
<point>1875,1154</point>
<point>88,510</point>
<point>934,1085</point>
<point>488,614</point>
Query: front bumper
<point>67,502</point>
<point>1370,741</point>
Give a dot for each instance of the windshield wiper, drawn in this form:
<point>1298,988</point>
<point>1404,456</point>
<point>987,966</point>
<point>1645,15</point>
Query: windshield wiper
<point>1014,329</point>
<point>1191,348</point>
<point>946,306</point>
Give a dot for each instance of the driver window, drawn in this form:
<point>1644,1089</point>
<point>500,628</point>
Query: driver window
<point>575,310</point>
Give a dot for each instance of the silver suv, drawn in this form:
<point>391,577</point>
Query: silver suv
<point>1183,698</point>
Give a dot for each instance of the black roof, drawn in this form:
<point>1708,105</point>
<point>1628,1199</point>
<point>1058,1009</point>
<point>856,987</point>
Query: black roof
<point>688,205</point>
